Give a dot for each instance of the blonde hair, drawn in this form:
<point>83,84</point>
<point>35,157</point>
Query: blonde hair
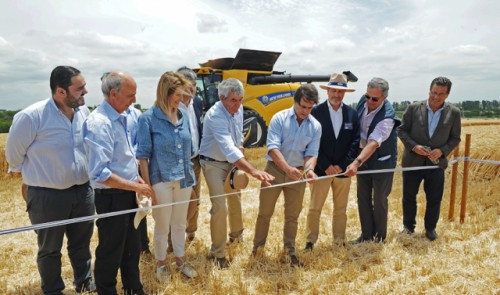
<point>168,84</point>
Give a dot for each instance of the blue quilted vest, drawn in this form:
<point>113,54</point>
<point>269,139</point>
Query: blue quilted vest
<point>380,159</point>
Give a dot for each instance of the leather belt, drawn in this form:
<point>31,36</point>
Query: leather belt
<point>211,160</point>
<point>110,191</point>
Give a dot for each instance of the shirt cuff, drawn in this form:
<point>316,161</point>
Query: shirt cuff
<point>234,157</point>
<point>105,175</point>
<point>14,169</point>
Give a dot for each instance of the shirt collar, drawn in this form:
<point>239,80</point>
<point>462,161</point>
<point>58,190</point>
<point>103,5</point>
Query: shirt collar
<point>429,107</point>
<point>111,112</point>
<point>158,113</point>
<point>375,111</point>
<point>226,113</point>
<point>183,106</point>
<point>53,104</point>
<point>331,108</point>
<point>294,115</point>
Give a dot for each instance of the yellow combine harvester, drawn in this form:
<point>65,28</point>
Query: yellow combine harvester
<point>266,91</point>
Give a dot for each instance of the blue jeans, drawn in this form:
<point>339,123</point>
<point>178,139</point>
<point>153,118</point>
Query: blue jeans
<point>46,204</point>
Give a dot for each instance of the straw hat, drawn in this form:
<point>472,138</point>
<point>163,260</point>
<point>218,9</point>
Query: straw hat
<point>142,202</point>
<point>338,81</point>
<point>235,180</point>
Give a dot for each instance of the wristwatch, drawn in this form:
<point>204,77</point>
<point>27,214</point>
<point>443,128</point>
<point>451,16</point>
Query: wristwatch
<point>359,161</point>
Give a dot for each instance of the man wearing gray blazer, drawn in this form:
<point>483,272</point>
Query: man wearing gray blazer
<point>430,130</point>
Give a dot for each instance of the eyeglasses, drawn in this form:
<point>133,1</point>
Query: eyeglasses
<point>440,95</point>
<point>374,99</point>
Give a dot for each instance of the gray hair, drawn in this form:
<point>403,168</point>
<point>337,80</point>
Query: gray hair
<point>111,80</point>
<point>188,73</point>
<point>381,84</point>
<point>230,85</point>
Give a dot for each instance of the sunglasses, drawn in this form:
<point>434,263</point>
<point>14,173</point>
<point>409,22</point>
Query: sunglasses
<point>374,99</point>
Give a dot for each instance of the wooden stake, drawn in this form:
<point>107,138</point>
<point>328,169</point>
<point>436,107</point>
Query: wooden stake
<point>454,173</point>
<point>465,179</point>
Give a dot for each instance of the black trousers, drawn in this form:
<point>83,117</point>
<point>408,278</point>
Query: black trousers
<point>143,234</point>
<point>373,190</point>
<point>46,204</point>
<point>433,188</point>
<point>119,245</point>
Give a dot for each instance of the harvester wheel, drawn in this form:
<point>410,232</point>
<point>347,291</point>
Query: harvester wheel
<point>254,129</point>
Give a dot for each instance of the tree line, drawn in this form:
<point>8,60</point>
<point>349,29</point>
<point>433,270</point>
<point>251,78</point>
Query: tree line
<point>468,108</point>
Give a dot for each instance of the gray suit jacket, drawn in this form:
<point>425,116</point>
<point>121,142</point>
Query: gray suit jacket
<point>414,130</point>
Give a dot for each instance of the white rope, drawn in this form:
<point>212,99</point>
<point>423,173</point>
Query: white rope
<point>116,213</point>
<point>468,159</point>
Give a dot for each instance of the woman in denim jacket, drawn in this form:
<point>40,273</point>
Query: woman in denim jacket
<point>164,152</point>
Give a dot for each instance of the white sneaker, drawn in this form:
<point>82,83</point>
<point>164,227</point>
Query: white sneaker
<point>162,274</point>
<point>187,270</point>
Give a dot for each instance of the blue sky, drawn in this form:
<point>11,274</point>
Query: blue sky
<point>406,42</point>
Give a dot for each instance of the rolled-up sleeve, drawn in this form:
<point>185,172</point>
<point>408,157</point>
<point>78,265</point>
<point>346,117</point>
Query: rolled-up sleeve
<point>225,141</point>
<point>144,141</point>
<point>98,142</point>
<point>274,134</point>
<point>313,147</point>
<point>382,131</point>
<point>22,133</point>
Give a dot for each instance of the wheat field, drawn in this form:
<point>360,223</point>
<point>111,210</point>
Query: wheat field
<point>464,260</point>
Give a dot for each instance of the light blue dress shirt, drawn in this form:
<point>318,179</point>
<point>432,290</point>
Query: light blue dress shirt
<point>46,147</point>
<point>294,141</point>
<point>109,139</point>
<point>222,134</point>
<point>433,118</point>
<point>167,147</point>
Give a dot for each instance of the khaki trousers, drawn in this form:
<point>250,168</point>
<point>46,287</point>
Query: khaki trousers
<point>215,175</point>
<point>193,210</point>
<point>294,195</point>
<point>319,192</point>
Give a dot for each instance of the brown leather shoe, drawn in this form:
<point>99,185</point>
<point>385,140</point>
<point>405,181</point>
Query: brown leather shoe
<point>190,238</point>
<point>295,262</point>
<point>221,263</point>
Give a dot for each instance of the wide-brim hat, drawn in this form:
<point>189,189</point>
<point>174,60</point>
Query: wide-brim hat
<point>142,202</point>
<point>235,180</point>
<point>338,81</point>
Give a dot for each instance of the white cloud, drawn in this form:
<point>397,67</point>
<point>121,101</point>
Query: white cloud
<point>470,49</point>
<point>4,43</point>
<point>406,42</point>
<point>208,23</point>
<point>401,35</point>
<point>349,28</point>
<point>305,46</point>
<point>340,44</point>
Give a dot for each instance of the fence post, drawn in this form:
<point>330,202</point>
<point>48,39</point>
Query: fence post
<point>454,173</point>
<point>465,179</point>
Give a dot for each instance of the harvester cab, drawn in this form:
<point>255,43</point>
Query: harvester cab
<point>266,91</point>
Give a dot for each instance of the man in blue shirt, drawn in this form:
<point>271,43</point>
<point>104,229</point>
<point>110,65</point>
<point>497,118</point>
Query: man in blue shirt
<point>292,149</point>
<point>45,146</point>
<point>109,136</point>
<point>193,106</point>
<point>221,148</point>
<point>430,130</point>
